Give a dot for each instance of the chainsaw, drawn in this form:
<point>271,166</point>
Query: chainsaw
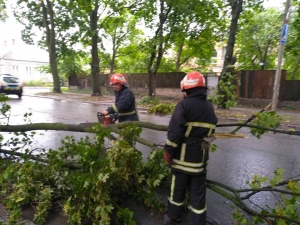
<point>105,120</point>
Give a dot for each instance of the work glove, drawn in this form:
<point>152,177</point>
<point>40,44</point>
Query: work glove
<point>168,157</point>
<point>114,117</point>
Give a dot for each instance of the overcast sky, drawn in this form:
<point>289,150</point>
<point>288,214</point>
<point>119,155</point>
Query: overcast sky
<point>273,3</point>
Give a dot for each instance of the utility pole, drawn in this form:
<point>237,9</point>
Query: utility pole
<point>282,42</point>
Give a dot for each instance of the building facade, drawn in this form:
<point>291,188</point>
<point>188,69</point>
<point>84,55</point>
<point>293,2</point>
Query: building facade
<point>18,58</point>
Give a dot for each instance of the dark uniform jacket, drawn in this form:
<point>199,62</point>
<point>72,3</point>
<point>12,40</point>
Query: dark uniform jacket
<point>193,119</point>
<point>124,105</point>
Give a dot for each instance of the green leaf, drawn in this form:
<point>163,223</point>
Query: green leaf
<point>103,177</point>
<point>20,199</point>
<point>281,222</point>
<point>141,179</point>
<point>290,209</point>
<point>278,176</point>
<point>86,183</point>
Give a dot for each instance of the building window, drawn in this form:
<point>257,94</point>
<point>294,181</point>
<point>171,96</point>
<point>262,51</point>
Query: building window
<point>28,70</point>
<point>223,52</point>
<point>15,70</point>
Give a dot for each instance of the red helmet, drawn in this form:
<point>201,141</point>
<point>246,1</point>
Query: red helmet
<point>117,78</point>
<point>192,80</point>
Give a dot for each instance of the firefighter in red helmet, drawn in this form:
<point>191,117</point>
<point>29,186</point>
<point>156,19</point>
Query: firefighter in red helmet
<point>124,108</point>
<point>186,150</point>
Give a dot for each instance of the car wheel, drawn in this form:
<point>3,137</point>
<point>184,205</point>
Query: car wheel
<point>20,96</point>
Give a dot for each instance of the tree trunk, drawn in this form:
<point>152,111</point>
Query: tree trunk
<point>264,60</point>
<point>236,9</point>
<point>157,49</point>
<point>111,68</point>
<point>151,70</point>
<point>152,83</point>
<point>180,48</point>
<point>51,43</point>
<point>179,56</point>
<point>94,52</point>
<point>113,57</point>
<point>112,62</point>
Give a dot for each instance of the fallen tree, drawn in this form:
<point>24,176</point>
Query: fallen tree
<point>87,179</point>
<point>74,176</point>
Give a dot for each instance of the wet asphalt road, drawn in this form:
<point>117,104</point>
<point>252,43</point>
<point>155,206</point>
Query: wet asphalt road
<point>235,162</point>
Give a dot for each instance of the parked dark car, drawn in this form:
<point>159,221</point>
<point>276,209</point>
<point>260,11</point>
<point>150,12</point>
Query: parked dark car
<point>11,85</point>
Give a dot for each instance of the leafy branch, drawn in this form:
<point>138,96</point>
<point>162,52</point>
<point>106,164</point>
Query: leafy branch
<point>234,195</point>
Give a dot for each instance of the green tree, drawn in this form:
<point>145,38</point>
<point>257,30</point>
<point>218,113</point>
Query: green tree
<point>173,23</point>
<point>160,17</point>
<point>292,52</point>
<point>46,20</point>
<point>133,59</point>
<point>257,39</point>
<point>73,63</point>
<point>197,31</point>
<point>90,17</point>
<point>120,32</point>
<point>236,7</point>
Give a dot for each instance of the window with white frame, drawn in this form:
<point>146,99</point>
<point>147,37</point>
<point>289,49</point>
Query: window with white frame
<point>223,52</point>
<point>15,70</point>
<point>28,70</point>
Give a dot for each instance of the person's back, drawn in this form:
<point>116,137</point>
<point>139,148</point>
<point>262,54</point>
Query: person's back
<point>196,116</point>
<point>186,151</point>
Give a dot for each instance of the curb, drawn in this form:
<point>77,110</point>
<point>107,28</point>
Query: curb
<point>90,102</point>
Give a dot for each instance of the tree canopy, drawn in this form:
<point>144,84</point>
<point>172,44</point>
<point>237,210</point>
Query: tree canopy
<point>158,35</point>
<point>292,53</point>
<point>256,48</point>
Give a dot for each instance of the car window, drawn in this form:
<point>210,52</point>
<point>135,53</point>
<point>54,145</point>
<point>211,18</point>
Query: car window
<point>11,79</point>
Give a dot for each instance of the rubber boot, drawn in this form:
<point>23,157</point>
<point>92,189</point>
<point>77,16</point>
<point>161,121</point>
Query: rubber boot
<point>168,221</point>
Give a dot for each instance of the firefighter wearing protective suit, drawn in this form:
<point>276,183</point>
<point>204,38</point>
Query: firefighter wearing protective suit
<point>186,151</point>
<point>124,108</point>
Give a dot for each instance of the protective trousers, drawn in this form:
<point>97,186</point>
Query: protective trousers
<point>196,187</point>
